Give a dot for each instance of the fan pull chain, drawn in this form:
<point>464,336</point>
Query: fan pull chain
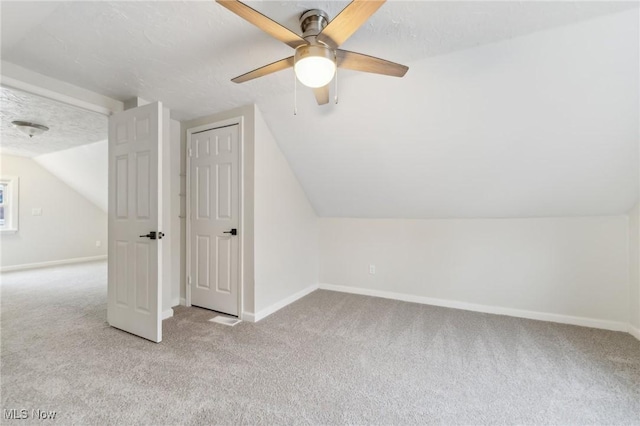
<point>336,95</point>
<point>295,94</point>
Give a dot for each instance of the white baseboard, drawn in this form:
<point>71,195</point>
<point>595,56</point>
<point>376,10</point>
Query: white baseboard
<point>183,301</point>
<point>51,263</point>
<point>167,314</point>
<point>635,332</point>
<point>250,317</point>
<point>175,302</point>
<point>541,316</point>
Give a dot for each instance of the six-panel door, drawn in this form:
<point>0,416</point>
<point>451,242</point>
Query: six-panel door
<point>214,206</point>
<point>134,282</point>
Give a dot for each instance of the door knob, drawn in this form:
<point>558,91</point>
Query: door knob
<point>233,231</point>
<point>151,235</point>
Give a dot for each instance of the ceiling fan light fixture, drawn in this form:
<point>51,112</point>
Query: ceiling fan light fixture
<point>314,65</point>
<point>29,129</point>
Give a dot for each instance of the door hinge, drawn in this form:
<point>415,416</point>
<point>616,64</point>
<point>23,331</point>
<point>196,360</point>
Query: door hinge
<point>189,280</point>
<point>190,153</point>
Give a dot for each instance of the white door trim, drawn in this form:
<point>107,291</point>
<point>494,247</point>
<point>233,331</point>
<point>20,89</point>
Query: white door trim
<point>224,123</point>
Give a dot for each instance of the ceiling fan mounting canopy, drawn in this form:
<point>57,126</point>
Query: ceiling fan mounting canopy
<point>312,22</point>
<point>317,50</point>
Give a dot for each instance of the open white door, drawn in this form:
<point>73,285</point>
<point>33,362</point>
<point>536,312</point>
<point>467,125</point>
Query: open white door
<point>135,214</point>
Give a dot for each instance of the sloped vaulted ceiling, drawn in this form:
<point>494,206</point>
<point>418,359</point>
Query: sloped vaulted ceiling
<point>540,125</point>
<point>508,109</point>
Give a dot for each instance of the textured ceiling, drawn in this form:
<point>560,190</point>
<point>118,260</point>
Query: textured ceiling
<point>68,126</point>
<point>509,108</point>
<point>185,53</point>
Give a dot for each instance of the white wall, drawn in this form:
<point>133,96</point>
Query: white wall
<point>176,195</point>
<point>634,270</point>
<point>84,168</point>
<point>574,267</point>
<point>69,225</point>
<point>168,226</point>
<point>285,228</point>
<point>544,125</point>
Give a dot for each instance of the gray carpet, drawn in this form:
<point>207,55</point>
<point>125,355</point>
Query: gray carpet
<point>329,358</point>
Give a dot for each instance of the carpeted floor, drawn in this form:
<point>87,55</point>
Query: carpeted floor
<point>329,358</point>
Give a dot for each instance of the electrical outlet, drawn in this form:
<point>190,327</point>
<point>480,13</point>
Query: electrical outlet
<point>36,211</point>
<point>98,243</point>
<point>372,269</point>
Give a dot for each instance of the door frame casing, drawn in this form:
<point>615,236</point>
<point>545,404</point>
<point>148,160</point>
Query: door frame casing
<point>241,191</point>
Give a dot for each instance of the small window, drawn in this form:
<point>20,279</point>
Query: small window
<point>8,204</point>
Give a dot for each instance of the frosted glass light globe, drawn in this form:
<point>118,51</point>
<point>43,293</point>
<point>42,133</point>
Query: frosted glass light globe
<point>315,65</point>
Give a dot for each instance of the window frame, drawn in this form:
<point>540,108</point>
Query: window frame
<point>11,204</point>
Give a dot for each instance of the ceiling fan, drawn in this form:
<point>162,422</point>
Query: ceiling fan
<point>317,54</point>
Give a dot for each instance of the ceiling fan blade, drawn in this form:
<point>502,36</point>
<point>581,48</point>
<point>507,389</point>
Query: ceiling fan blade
<point>360,62</point>
<point>348,21</point>
<point>266,24</point>
<point>280,65</point>
<point>322,94</point>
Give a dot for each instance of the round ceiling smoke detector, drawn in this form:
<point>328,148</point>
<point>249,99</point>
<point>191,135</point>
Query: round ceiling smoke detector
<point>31,129</point>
